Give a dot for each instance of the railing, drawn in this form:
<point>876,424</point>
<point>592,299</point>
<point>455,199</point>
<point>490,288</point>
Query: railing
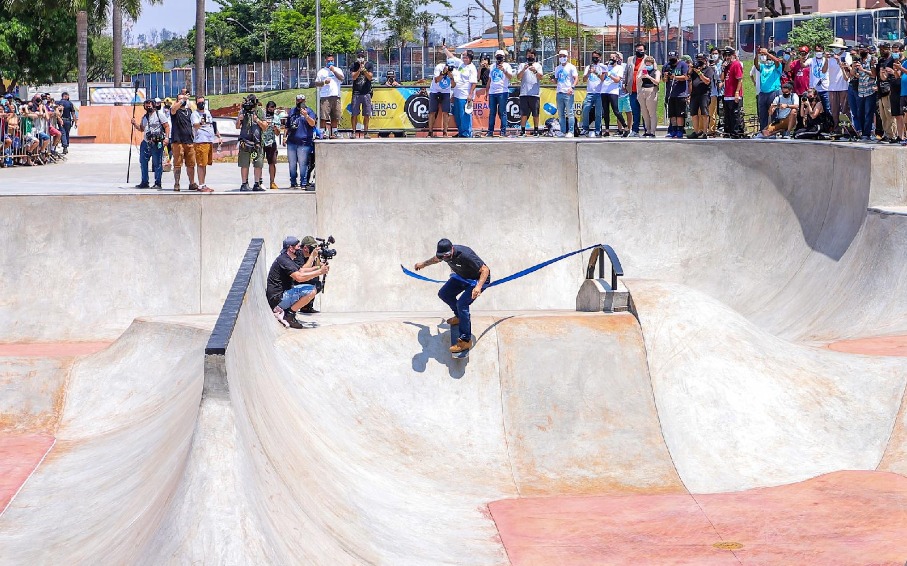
<point>596,257</point>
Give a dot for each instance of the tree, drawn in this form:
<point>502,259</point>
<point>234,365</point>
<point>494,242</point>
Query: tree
<point>26,39</point>
<point>497,16</point>
<point>614,8</point>
<point>155,35</point>
<point>815,31</point>
<point>119,8</point>
<point>200,82</point>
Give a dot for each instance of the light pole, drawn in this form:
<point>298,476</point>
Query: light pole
<point>240,24</point>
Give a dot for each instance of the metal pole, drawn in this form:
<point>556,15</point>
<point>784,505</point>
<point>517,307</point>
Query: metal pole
<point>576,4</point>
<point>318,51</point>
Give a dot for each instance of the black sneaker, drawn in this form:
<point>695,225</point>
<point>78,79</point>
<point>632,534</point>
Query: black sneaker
<point>157,187</point>
<point>143,186</point>
<point>309,309</point>
<point>310,187</point>
<point>66,150</point>
<point>257,187</point>
<point>290,318</point>
<point>295,186</point>
<point>244,188</point>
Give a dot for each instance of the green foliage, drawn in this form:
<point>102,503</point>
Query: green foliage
<point>136,60</point>
<point>175,47</point>
<point>37,46</point>
<point>816,31</point>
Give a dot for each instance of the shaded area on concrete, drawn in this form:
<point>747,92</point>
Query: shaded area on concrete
<point>19,456</point>
<point>873,346</point>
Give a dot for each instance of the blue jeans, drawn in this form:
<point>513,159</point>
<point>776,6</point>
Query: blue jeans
<point>67,126</point>
<point>154,153</point>
<point>463,120</point>
<point>634,108</point>
<point>864,111</point>
<point>826,103</point>
<point>460,307</point>
<point>565,111</point>
<point>763,103</point>
<point>593,100</point>
<point>293,294</point>
<point>852,101</point>
<point>497,107</point>
<point>298,157</point>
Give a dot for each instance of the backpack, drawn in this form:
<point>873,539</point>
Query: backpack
<point>155,129</point>
<point>251,140</point>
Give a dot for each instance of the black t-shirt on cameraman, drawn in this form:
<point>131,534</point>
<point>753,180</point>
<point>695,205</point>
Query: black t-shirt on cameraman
<point>699,87</point>
<point>362,85</point>
<point>181,126</point>
<point>279,279</point>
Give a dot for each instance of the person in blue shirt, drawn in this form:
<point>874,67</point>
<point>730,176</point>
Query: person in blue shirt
<point>769,68</point>
<point>300,129</point>
<point>676,75</point>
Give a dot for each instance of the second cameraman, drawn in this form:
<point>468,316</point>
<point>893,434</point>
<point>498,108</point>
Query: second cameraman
<point>308,258</point>
<point>251,122</point>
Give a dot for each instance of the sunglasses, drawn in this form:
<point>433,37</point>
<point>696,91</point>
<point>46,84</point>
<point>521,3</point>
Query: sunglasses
<point>443,256</point>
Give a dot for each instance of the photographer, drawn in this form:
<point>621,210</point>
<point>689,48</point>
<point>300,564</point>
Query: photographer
<point>815,119</point>
<point>769,68</point>
<point>156,128</point>
<point>498,92</point>
<point>182,141</point>
<point>675,75</point>
<point>300,127</point>
<point>530,75</point>
<point>251,123</point>
<point>593,77</point>
<point>733,93</point>
<point>286,290</point>
<point>442,84</point>
<point>783,112</point>
<point>269,141</point>
<point>701,77</point>
<point>70,117</point>
<point>362,72</point>
<point>329,79</point>
<point>308,257</point>
<point>391,79</point>
<point>205,134</point>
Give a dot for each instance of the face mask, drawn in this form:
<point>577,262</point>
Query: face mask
<point>563,60</point>
<point>714,57</point>
<point>895,56</point>
<point>361,59</point>
<point>499,58</point>
<point>612,60</point>
<point>863,54</point>
<point>820,55</point>
<point>787,56</point>
<point>763,58</point>
<point>330,64</point>
<point>530,59</point>
<point>300,104</point>
<point>836,50</point>
<point>785,94</point>
<point>595,60</point>
<point>640,53</point>
<point>673,60</point>
<point>650,67</point>
<point>201,105</point>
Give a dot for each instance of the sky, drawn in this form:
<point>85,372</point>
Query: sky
<point>179,15</point>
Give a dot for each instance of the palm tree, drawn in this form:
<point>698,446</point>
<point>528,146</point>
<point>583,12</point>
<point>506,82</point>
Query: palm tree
<point>119,8</point>
<point>200,48</point>
<point>614,8</point>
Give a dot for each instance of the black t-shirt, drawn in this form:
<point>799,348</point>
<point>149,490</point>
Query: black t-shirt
<point>699,87</point>
<point>279,279</point>
<point>69,109</point>
<point>465,263</point>
<point>362,85</point>
<point>181,126</point>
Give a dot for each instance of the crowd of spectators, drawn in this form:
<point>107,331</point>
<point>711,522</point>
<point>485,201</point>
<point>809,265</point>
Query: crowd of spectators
<point>36,131</point>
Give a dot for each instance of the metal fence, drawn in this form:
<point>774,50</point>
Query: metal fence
<point>23,144</point>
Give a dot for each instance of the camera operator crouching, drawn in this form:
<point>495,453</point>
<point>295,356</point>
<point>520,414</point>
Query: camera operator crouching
<point>287,290</point>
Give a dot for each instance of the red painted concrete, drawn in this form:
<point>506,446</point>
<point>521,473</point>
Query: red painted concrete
<point>878,346</point>
<point>841,518</point>
<point>19,455</point>
<point>51,349</point>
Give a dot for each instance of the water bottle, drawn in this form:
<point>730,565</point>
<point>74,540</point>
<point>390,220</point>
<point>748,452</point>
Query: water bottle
<point>550,108</point>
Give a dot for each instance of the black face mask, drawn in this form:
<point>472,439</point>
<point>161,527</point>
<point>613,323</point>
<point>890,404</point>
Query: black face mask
<point>595,60</point>
<point>201,105</point>
<point>301,104</point>
<point>640,54</point>
<point>499,59</point>
<point>673,60</point>
<point>530,59</point>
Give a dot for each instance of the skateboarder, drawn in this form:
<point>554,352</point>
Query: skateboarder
<point>471,275</point>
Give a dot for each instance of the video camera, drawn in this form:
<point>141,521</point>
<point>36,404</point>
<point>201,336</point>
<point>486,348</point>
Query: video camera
<point>325,251</point>
<point>249,104</point>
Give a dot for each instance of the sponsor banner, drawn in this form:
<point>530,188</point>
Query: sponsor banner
<point>110,95</point>
<point>406,108</point>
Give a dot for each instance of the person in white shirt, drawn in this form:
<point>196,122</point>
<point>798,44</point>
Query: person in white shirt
<point>466,76</point>
<point>329,79</point>
<point>565,75</point>
<point>818,74</point>
<point>529,74</point>
<point>610,94</point>
<point>205,132</point>
<point>838,62</point>
<point>593,77</point>
<point>499,76</point>
<point>783,113</point>
<point>442,83</point>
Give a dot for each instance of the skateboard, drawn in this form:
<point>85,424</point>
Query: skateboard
<point>454,335</point>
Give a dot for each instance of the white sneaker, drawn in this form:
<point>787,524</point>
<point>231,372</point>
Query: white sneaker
<point>569,135</point>
<point>634,135</point>
<point>278,314</point>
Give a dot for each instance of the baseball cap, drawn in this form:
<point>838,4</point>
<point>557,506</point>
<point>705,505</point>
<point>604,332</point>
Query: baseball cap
<point>444,247</point>
<point>309,241</point>
<point>158,100</point>
<point>290,241</point>
<point>300,97</point>
<point>884,45</point>
<point>702,56</point>
<point>500,52</point>
<point>803,49</point>
<point>672,54</point>
<point>562,53</point>
<point>729,50</point>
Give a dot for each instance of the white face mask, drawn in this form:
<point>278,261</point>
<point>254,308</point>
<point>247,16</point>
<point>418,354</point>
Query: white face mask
<point>361,59</point>
<point>563,60</point>
<point>714,57</point>
<point>763,58</point>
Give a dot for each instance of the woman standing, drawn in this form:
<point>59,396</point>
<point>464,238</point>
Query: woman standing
<point>648,79</point>
<point>610,90</point>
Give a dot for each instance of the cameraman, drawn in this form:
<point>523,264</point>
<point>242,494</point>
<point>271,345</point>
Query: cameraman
<point>287,291</point>
<point>156,128</point>
<point>701,77</point>
<point>442,85</point>
<point>362,72</point>
<point>205,134</point>
<point>300,127</point>
<point>675,75</point>
<point>251,123</point>
<point>308,257</point>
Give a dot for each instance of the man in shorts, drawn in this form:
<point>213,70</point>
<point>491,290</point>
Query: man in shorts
<point>530,73</point>
<point>205,134</point>
<point>675,76</point>
<point>269,140</point>
<point>286,290</point>
<point>442,84</point>
<point>701,77</point>
<point>329,79</point>
<point>182,139</point>
<point>362,73</point>
<point>246,123</point>
<point>782,112</point>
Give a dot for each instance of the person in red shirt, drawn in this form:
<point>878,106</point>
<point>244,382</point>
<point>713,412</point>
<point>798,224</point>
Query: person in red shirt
<point>733,92</point>
<point>799,72</point>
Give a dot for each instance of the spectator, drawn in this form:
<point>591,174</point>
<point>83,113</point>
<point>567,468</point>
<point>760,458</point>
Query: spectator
<point>300,129</point>
<point>716,89</point>
<point>329,79</point>
<point>593,76</point>
<point>251,123</point>
<point>167,105</point>
<point>838,61</point>
<point>269,141</point>
<point>484,71</point>
<point>815,118</point>
<point>391,79</point>
<point>800,71</point>
<point>902,91</point>
<point>442,84</point>
<point>676,75</point>
<point>530,75</point>
<point>769,69</point>
<point>498,92</point>
<point>701,77</point>
<point>648,80</point>
<point>818,75</point>
<point>465,79</point>
<point>733,93</point>
<point>863,72</point>
<point>783,113</point>
<point>70,117</point>
<point>182,140</point>
<point>156,129</point>
<point>205,134</point>
<point>889,87</point>
<point>634,63</point>
<point>610,94</point>
<point>362,73</point>
<point>566,76</point>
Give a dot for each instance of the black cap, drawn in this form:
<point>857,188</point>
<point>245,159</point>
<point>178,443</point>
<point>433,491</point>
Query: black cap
<point>444,247</point>
<point>788,86</point>
<point>885,44</point>
<point>672,54</point>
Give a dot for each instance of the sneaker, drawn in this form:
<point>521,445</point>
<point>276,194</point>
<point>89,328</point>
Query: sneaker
<point>143,186</point>
<point>648,135</point>
<point>310,187</point>
<point>626,133</point>
<point>590,134</point>
<point>244,188</point>
<point>606,134</point>
<point>278,314</point>
<point>157,187</point>
<point>193,186</point>
<point>295,185</point>
<point>274,186</point>
<point>453,320</point>
<point>894,140</point>
<point>759,136</point>
<point>583,132</point>
<point>569,135</point>
<point>694,136</point>
<point>257,187</point>
<point>65,150</point>
<point>290,319</point>
<point>460,346</point>
<point>635,135</point>
<point>522,134</point>
<point>309,309</point>
<point>176,187</point>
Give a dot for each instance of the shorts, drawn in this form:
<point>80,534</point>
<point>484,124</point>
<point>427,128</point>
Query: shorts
<point>204,154</point>
<point>623,104</point>
<point>183,153</point>
<point>699,105</point>
<point>293,294</point>
<point>244,159</point>
<point>677,107</point>
<point>896,108</point>
<point>42,136</point>
<point>54,132</point>
<point>903,103</point>
<point>362,105</point>
<point>529,106</point>
<point>439,100</point>
<point>330,108</point>
<point>271,154</point>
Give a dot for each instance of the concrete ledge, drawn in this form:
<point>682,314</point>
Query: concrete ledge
<point>596,295</point>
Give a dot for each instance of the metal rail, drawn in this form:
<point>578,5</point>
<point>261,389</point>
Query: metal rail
<point>597,257</point>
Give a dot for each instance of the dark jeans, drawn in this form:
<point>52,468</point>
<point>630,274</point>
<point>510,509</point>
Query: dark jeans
<point>460,307</point>
<point>763,103</point>
<point>497,106</point>
<point>634,108</point>
<point>67,125</point>
<point>852,102</point>
<point>863,113</point>
<point>732,125</point>
<point>826,102</point>
<point>154,153</point>
<point>610,101</point>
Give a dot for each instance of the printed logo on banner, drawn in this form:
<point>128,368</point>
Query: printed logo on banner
<point>513,108</point>
<point>417,110</point>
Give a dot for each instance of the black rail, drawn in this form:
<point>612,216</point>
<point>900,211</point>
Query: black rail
<point>223,328</point>
<point>597,257</point>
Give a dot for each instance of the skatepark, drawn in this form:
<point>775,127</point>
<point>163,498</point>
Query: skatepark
<point>749,407</point>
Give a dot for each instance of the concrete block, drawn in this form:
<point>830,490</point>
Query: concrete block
<point>596,295</point>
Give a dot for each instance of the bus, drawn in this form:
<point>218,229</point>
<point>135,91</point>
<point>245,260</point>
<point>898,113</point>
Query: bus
<point>853,26</point>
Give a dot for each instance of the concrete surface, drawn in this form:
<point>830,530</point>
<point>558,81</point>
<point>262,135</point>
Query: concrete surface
<point>360,441</point>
